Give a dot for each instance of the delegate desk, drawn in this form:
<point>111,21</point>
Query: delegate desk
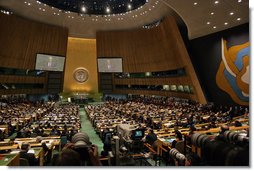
<point>51,142</point>
<point>9,147</point>
<point>9,159</point>
<point>37,151</point>
<point>216,130</point>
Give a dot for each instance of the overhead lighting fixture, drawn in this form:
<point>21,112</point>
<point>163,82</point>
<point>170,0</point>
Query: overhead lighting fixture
<point>108,10</point>
<point>231,13</point>
<point>83,9</point>
<point>225,23</point>
<point>214,27</point>
<point>238,19</point>
<point>212,13</point>
<point>239,1</point>
<point>195,3</point>
<point>216,2</point>
<point>208,22</point>
<point>129,6</point>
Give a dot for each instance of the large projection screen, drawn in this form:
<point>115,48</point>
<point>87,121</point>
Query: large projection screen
<point>110,64</point>
<point>49,62</point>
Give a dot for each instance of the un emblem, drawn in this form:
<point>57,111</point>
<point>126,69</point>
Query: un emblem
<point>80,75</point>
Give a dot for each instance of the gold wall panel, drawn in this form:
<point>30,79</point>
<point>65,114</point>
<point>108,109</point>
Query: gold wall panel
<point>81,53</point>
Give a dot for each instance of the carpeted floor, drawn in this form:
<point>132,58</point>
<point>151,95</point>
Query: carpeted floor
<point>88,128</point>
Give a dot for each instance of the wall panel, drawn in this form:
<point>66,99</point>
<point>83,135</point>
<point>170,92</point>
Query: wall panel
<point>20,40</point>
<point>146,50</point>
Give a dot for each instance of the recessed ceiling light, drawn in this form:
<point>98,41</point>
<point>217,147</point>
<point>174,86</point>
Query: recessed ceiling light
<point>214,27</point>
<point>129,6</point>
<point>212,13</point>
<point>195,3</point>
<point>216,2</point>
<point>28,3</point>
<point>208,22</point>
<point>238,19</point>
<point>83,9</point>
<point>107,9</point>
<point>239,1</point>
<point>225,23</point>
<point>231,13</point>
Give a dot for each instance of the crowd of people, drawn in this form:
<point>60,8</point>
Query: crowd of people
<point>152,114</point>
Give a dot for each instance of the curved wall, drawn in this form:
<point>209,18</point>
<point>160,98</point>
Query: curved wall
<point>146,50</point>
<point>20,40</point>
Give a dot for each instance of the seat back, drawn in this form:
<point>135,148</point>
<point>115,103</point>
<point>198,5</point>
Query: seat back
<point>23,162</point>
<point>180,146</point>
<point>63,140</point>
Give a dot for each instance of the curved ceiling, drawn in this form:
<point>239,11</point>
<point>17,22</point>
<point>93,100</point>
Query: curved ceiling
<point>95,7</point>
<point>202,17</point>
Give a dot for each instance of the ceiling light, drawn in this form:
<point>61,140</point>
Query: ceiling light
<point>195,3</point>
<point>212,13</point>
<point>216,2</point>
<point>225,23</point>
<point>239,1</point>
<point>83,9</point>
<point>129,6</point>
<point>231,13</point>
<point>208,22</point>
<point>214,27</point>
<point>107,9</point>
<point>238,19</point>
<point>28,3</point>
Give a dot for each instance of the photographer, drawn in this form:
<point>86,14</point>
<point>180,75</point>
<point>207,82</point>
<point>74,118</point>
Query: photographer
<point>81,145</point>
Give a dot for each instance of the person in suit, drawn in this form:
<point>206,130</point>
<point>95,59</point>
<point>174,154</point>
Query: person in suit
<point>151,137</point>
<point>29,156</point>
<point>179,137</point>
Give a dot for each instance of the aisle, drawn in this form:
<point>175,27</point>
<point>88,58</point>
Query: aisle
<point>88,128</point>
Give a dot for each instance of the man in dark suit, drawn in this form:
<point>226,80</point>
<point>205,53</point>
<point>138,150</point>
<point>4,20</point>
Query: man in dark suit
<point>151,137</point>
<point>29,156</point>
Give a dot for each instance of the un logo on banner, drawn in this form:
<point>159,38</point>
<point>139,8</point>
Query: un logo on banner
<point>80,75</point>
<point>234,70</point>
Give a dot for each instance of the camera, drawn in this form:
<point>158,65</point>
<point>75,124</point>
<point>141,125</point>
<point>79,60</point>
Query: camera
<point>175,154</point>
<point>199,139</point>
<point>235,136</point>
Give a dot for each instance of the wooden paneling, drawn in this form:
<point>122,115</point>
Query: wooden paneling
<point>21,79</point>
<point>154,81</point>
<point>21,39</point>
<point>23,91</point>
<point>159,93</point>
<point>147,50</point>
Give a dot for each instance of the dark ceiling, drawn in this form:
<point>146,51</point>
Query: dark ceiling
<point>96,7</point>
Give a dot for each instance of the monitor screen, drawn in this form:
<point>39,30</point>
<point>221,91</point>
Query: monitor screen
<point>49,62</point>
<point>138,134</point>
<point>110,65</point>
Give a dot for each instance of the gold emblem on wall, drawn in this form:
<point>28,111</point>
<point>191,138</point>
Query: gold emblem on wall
<point>80,75</point>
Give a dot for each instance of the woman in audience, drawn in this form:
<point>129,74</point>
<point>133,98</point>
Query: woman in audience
<point>178,137</point>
